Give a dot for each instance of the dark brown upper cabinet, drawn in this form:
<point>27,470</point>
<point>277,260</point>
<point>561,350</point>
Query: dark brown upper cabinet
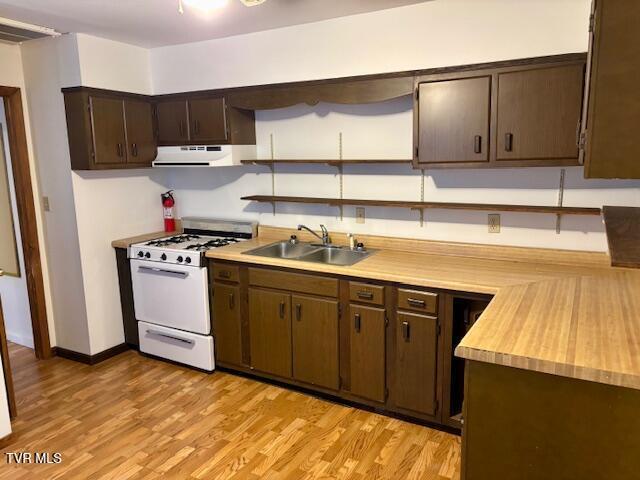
<point>612,147</point>
<point>539,113</point>
<point>454,120</point>
<point>109,130</point>
<point>173,122</point>
<point>508,114</point>
<point>203,120</point>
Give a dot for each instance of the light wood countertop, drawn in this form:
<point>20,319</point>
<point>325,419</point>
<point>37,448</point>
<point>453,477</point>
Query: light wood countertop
<point>145,237</point>
<point>561,313</point>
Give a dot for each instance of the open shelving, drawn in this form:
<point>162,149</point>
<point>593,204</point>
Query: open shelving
<point>338,202</point>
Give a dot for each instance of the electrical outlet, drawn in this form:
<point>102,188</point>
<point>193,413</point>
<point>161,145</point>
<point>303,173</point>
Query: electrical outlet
<point>494,222</point>
<point>359,214</point>
<point>45,204</point>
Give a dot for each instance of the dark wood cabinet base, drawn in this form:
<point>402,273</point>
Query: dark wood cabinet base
<point>527,425</point>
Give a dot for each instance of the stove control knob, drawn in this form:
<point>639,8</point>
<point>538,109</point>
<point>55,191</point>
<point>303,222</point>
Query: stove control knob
<point>180,259</point>
<point>148,255</point>
<point>163,256</point>
<point>187,260</point>
<point>140,254</point>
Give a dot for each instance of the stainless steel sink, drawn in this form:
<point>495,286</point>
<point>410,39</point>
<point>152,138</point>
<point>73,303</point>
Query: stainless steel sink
<point>335,256</point>
<point>283,249</point>
<point>309,252</point>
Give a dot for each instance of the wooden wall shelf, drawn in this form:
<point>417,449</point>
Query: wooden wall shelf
<point>425,205</point>
<point>327,162</point>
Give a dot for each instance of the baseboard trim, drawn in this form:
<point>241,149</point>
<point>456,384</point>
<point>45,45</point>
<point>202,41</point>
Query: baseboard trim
<point>90,359</point>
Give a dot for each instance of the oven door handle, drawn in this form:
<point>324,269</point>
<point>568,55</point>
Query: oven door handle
<point>177,273</point>
<point>165,335</point>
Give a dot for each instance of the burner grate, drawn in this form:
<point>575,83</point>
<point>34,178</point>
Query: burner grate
<point>176,239</point>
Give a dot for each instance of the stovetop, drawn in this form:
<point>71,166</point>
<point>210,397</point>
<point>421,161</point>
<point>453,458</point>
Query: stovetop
<point>190,242</point>
<point>185,249</point>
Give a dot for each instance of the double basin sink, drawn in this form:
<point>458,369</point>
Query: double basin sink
<point>309,252</point>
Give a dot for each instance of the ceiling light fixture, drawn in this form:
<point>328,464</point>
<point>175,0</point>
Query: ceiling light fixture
<point>208,5</point>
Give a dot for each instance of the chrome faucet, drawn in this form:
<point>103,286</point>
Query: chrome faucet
<point>326,240</point>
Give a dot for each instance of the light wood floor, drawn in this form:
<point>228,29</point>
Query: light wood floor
<point>132,417</point>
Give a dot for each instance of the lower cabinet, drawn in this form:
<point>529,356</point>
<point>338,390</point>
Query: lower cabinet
<point>315,341</point>
<point>416,362</point>
<point>367,352</point>
<point>227,323</point>
<point>270,327</point>
<point>376,344</point>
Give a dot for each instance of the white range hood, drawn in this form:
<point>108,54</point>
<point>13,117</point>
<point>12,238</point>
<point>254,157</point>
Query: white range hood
<point>204,155</point>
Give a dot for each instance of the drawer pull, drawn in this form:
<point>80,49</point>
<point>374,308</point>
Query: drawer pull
<point>357,320</point>
<point>281,309</point>
<point>415,302</point>
<point>298,312</point>
<point>224,274</point>
<point>164,335</point>
<point>365,295</point>
<point>232,301</point>
<point>508,142</point>
<point>477,144</point>
<point>405,331</point>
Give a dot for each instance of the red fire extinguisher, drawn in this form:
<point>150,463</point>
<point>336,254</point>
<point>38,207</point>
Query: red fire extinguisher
<point>168,203</point>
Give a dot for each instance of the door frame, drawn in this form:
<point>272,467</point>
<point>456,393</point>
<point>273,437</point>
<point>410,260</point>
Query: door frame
<point>19,153</point>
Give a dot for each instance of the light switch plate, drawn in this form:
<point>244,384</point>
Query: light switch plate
<point>494,222</point>
<point>45,204</point>
<point>359,214</point>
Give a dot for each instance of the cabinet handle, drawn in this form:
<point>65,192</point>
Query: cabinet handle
<point>118,152</point>
<point>365,295</point>
<point>196,127</point>
<point>405,331</point>
<point>416,302</point>
<point>477,144</point>
<point>508,142</point>
<point>232,302</point>
<point>281,309</point>
<point>357,320</point>
<point>298,312</point>
<point>224,274</point>
<point>181,127</point>
<point>134,149</point>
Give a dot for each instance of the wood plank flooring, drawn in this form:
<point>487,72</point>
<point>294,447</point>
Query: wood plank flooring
<point>131,417</point>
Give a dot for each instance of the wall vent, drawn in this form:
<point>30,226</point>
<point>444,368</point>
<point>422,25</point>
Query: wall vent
<point>12,31</point>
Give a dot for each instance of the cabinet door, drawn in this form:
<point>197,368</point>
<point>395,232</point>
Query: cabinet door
<point>226,324</point>
<point>539,113</point>
<point>315,341</point>
<point>454,121</point>
<point>367,352</point>
<point>141,142</point>
<point>208,122</point>
<point>416,362</point>
<point>173,127</point>
<point>613,143</point>
<point>107,122</point>
<point>270,331</point>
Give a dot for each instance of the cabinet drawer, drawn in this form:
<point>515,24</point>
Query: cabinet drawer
<point>294,282</point>
<point>365,293</point>
<point>226,272</point>
<point>426,302</point>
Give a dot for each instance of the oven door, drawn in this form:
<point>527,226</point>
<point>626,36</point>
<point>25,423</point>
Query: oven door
<point>175,296</point>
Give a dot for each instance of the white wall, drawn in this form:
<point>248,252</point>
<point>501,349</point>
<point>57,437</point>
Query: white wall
<point>111,204</point>
<point>431,34</point>
<point>49,64</point>
<point>88,209</point>
<point>13,290</point>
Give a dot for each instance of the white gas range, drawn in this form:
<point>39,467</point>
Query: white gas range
<point>171,289</point>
